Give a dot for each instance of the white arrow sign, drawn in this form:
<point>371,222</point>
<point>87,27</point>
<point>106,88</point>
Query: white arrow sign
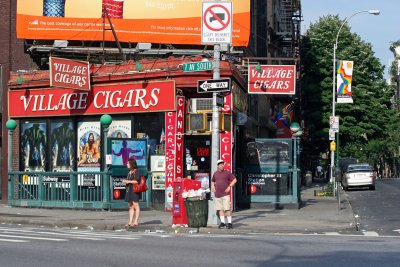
<point>206,86</point>
<point>214,86</point>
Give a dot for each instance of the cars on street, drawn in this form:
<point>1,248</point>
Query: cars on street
<point>359,175</point>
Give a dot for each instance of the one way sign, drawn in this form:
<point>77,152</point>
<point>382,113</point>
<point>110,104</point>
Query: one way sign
<point>214,86</point>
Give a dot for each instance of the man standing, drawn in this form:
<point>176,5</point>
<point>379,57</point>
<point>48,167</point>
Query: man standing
<point>221,184</point>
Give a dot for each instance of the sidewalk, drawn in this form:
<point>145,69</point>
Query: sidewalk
<point>316,215</point>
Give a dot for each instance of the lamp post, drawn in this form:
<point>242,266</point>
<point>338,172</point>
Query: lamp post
<point>106,120</point>
<point>372,12</point>
<point>10,125</point>
<point>297,131</point>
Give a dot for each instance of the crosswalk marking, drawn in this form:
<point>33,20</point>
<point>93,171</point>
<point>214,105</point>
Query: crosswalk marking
<point>34,237</point>
<point>370,233</point>
<point>28,234</point>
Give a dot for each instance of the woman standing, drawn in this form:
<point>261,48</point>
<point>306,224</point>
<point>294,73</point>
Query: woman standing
<point>130,196</point>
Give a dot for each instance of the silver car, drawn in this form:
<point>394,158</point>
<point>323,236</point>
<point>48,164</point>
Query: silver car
<point>358,175</point>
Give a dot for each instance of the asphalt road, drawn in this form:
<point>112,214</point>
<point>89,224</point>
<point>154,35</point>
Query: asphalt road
<point>379,210</point>
<point>23,246</point>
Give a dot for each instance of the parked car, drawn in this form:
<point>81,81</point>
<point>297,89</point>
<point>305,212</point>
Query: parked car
<point>358,175</point>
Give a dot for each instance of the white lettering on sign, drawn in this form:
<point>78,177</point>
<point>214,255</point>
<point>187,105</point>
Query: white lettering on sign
<point>102,100</point>
<point>280,79</point>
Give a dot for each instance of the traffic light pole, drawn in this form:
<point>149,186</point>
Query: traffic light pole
<point>212,216</point>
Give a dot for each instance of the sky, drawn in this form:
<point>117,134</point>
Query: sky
<point>380,30</point>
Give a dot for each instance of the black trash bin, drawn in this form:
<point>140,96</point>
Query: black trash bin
<point>197,212</point>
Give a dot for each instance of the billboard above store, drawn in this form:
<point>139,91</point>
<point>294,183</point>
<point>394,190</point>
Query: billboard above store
<point>161,21</point>
<point>105,99</point>
<point>69,73</point>
<point>272,79</point>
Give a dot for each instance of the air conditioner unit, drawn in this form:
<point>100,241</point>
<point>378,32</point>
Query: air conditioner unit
<point>200,105</point>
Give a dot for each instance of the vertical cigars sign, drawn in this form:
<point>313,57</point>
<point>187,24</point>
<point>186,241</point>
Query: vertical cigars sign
<point>226,136</point>
<point>68,73</point>
<point>174,125</point>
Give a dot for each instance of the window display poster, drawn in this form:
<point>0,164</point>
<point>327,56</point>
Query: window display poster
<point>33,146</point>
<point>125,149</point>
<point>120,129</point>
<point>204,178</point>
<point>62,148</point>
<point>89,144</point>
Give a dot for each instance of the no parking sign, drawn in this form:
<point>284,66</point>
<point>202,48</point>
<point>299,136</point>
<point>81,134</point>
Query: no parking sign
<point>216,23</point>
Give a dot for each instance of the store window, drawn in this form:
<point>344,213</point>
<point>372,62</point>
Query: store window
<point>151,126</point>
<point>33,145</point>
<point>62,139</point>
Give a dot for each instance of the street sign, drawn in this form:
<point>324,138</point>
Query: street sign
<point>216,23</point>
<point>214,86</point>
<point>334,123</point>
<point>220,100</point>
<point>333,146</point>
<point>197,66</point>
<point>331,135</point>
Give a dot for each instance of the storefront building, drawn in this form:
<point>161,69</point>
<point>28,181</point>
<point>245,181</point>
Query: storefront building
<point>60,154</point>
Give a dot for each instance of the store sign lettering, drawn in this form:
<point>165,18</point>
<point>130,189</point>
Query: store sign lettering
<point>180,130</point>
<point>272,79</point>
<point>69,73</point>
<point>123,98</point>
<point>226,137</point>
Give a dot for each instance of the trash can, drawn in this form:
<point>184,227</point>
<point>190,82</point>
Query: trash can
<point>197,212</point>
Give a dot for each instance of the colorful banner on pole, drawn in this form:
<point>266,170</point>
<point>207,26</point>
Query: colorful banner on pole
<point>344,77</point>
<point>151,21</point>
<point>283,117</point>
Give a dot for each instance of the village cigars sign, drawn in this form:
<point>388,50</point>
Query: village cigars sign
<point>174,133</point>
<point>272,79</point>
<point>107,99</point>
<point>68,73</point>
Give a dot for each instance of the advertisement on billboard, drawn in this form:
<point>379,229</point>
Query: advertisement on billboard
<point>107,99</point>
<point>152,21</point>
<point>272,79</point>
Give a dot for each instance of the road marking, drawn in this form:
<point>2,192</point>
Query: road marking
<point>370,233</point>
<point>33,237</point>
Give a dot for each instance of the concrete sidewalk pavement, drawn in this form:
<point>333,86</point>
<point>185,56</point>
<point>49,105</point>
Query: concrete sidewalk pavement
<point>316,215</point>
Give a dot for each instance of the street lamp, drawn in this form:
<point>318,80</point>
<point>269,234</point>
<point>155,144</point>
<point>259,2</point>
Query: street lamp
<point>372,12</point>
<point>106,120</point>
<point>296,131</point>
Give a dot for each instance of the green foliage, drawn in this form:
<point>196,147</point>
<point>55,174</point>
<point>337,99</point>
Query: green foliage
<point>369,128</point>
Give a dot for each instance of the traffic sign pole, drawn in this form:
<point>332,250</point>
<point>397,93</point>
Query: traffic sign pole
<point>212,216</point>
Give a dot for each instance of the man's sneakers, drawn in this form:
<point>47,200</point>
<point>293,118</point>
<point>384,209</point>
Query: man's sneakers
<point>223,225</point>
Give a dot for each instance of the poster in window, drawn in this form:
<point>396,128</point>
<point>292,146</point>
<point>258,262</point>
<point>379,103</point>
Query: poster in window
<point>120,129</point>
<point>62,146</point>
<point>125,149</point>
<point>89,144</point>
<point>33,146</point>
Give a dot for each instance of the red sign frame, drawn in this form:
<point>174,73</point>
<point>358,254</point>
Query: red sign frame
<point>68,73</point>
<point>105,99</point>
<point>273,79</point>
<point>180,133</point>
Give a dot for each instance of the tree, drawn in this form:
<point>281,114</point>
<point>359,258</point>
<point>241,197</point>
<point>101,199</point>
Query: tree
<point>368,123</point>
